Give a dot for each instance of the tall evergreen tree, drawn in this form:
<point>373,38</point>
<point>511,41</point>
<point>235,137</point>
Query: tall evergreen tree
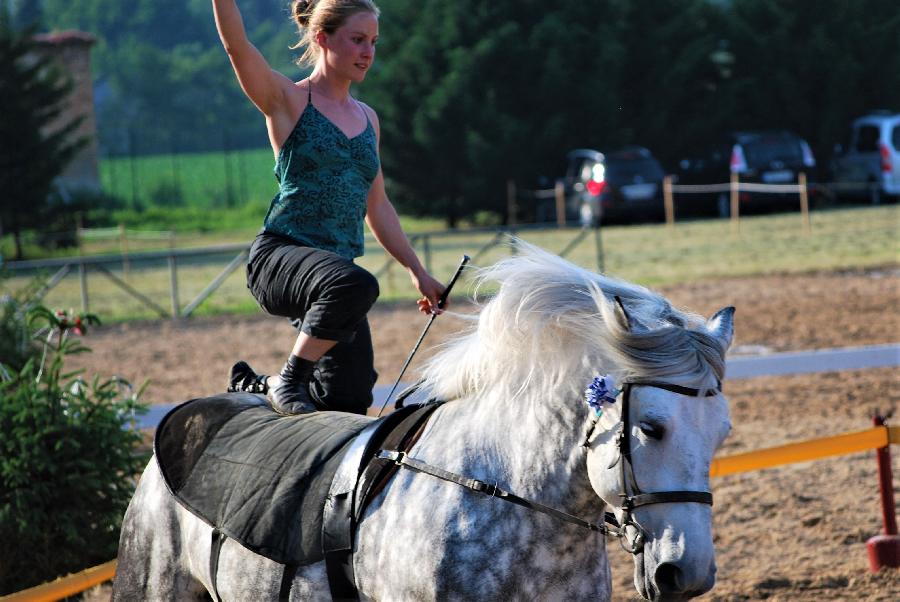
<point>813,65</point>
<point>472,93</point>
<point>32,96</point>
<point>669,79</point>
<point>163,59</point>
<point>30,13</point>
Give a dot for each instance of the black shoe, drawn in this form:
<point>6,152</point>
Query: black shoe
<point>245,379</point>
<point>289,392</point>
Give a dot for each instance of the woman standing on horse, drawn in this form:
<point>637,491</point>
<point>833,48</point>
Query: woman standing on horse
<point>330,180</point>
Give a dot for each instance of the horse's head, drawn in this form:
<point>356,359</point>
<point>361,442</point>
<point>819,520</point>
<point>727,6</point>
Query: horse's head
<point>549,329</point>
<point>659,438</point>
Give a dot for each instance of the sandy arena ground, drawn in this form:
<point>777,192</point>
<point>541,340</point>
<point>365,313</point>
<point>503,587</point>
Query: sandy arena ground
<point>791,533</point>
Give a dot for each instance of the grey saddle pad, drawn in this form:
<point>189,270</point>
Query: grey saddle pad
<point>258,477</point>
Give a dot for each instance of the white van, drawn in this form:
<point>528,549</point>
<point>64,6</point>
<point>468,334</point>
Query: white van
<point>870,165</point>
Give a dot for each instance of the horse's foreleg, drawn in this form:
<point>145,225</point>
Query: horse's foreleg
<point>243,575</point>
<point>155,555</point>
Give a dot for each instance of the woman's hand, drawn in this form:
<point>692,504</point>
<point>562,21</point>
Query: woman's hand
<point>431,291</point>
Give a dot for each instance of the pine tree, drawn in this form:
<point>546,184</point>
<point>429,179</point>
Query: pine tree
<point>33,92</point>
<point>29,13</point>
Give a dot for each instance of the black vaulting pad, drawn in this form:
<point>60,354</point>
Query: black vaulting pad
<point>258,477</point>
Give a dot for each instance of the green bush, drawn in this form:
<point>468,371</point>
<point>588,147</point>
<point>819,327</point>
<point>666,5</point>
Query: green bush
<point>17,342</point>
<point>67,459</point>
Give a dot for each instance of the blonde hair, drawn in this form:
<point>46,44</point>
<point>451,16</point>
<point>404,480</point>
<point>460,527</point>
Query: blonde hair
<point>313,16</point>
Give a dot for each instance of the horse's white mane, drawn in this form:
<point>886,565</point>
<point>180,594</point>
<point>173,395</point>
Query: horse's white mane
<point>552,326</point>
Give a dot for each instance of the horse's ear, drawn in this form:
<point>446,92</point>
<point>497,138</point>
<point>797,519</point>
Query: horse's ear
<point>721,326</point>
<point>629,323</point>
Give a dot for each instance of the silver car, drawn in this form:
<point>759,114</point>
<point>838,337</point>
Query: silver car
<point>870,165</point>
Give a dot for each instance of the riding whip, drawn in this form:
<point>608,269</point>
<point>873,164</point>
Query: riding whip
<point>441,302</point>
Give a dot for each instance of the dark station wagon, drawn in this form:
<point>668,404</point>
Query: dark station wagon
<point>764,157</point>
<point>624,185</point>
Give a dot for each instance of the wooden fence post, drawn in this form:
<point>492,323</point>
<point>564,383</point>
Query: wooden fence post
<point>79,234</point>
<point>82,277</point>
<point>559,193</point>
<point>389,276</point>
<point>735,204</point>
<point>598,246</point>
<point>426,250</point>
<point>668,201</point>
<point>804,201</point>
<point>512,207</point>
<point>173,285</point>
<point>123,248</point>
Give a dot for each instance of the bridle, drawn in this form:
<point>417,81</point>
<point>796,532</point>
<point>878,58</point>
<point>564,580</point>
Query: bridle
<point>637,498</point>
<point>630,501</point>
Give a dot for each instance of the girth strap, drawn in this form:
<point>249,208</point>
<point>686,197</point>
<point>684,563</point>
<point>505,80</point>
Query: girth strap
<point>215,549</point>
<point>402,459</point>
<point>349,494</point>
<point>287,580</point>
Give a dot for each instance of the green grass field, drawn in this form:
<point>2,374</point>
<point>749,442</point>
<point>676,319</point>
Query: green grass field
<point>204,180</point>
<point>199,192</point>
<point>652,255</point>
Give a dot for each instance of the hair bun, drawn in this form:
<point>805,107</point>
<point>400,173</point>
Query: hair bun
<point>302,11</point>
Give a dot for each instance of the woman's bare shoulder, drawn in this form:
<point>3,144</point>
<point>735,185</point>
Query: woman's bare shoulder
<point>297,95</point>
<point>370,112</point>
<point>282,121</point>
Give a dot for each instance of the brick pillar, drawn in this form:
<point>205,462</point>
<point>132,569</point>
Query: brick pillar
<point>73,51</point>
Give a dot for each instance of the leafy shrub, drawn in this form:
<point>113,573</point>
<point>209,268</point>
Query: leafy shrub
<point>67,458</point>
<point>17,345</point>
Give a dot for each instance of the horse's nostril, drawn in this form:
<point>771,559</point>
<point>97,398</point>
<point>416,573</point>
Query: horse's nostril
<point>669,579</point>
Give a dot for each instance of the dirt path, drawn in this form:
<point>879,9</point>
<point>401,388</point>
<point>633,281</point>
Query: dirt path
<point>791,533</point>
<point>190,358</point>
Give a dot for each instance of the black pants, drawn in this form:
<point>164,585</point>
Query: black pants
<point>327,297</point>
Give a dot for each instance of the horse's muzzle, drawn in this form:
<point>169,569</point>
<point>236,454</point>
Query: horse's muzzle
<point>668,582</point>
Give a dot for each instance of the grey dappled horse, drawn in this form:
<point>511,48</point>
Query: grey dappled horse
<point>518,418</point>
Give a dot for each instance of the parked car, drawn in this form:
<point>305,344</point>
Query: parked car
<point>617,186</point>
<point>869,167</point>
<point>766,157</point>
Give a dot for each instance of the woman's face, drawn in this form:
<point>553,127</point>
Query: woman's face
<point>350,50</point>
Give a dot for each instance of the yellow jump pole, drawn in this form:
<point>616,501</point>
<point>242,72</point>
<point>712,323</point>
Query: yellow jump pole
<point>803,451</point>
<point>65,586</point>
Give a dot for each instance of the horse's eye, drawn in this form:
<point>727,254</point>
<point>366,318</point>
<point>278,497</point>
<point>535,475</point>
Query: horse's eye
<point>654,431</point>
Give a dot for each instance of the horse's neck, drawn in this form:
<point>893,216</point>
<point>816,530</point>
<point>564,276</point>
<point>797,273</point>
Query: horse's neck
<point>531,446</point>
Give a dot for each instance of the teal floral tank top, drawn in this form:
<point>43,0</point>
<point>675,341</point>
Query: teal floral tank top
<point>323,182</point>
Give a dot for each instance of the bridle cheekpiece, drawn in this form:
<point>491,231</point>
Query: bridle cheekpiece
<point>631,495</point>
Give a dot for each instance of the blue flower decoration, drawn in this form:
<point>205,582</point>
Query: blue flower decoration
<point>601,390</point>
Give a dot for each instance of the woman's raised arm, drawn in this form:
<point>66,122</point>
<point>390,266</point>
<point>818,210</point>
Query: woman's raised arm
<point>264,86</point>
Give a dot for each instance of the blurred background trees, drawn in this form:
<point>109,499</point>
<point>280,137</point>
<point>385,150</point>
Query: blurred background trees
<point>34,150</point>
<point>472,93</point>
